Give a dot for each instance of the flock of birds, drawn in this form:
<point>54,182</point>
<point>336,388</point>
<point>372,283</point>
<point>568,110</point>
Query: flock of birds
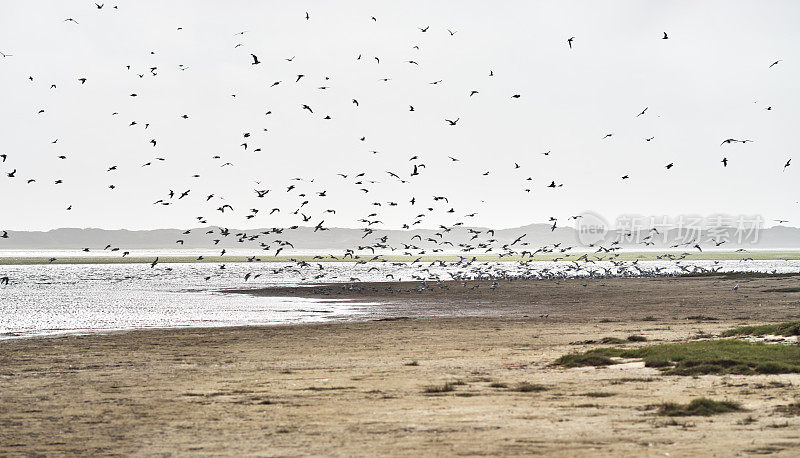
<point>310,208</point>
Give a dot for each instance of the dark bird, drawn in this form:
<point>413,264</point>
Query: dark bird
<point>724,161</point>
<point>255,60</point>
<point>452,123</point>
<point>424,29</point>
<point>69,19</point>
<point>775,63</point>
<point>645,109</point>
<point>669,166</point>
<point>733,140</point>
<point>665,37</point>
<point>569,41</point>
<point>788,163</point>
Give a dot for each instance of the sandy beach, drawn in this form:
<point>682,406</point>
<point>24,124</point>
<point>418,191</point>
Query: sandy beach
<point>367,388</point>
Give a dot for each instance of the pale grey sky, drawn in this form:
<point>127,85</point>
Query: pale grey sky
<point>709,81</point>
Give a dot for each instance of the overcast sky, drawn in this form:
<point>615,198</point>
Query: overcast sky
<point>709,81</point>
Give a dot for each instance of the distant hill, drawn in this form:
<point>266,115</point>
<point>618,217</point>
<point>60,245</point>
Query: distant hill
<point>536,235</point>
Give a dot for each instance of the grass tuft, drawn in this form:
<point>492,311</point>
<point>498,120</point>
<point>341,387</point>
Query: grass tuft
<point>612,341</point>
<point>526,387</point>
<point>698,407</point>
<point>599,394</point>
<point>444,388</point>
<point>782,290</point>
<point>792,409</point>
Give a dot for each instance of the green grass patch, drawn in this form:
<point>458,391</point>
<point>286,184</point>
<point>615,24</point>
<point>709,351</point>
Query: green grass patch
<point>725,356</point>
<point>789,328</point>
<point>590,358</point>
<point>612,341</point>
<point>698,407</point>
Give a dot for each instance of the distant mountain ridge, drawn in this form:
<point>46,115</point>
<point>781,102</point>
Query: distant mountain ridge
<point>536,235</point>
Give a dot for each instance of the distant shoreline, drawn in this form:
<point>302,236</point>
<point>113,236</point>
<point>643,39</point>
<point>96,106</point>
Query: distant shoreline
<point>756,255</point>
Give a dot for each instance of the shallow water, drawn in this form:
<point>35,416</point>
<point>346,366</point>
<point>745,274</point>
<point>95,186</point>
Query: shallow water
<point>55,299</point>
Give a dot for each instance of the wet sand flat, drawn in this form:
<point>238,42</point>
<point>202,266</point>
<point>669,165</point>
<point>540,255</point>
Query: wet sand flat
<point>364,388</point>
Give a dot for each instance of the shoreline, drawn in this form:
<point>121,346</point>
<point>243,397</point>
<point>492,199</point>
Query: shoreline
<point>578,300</point>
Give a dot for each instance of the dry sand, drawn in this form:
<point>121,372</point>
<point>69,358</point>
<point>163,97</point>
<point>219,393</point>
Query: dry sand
<point>359,388</point>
